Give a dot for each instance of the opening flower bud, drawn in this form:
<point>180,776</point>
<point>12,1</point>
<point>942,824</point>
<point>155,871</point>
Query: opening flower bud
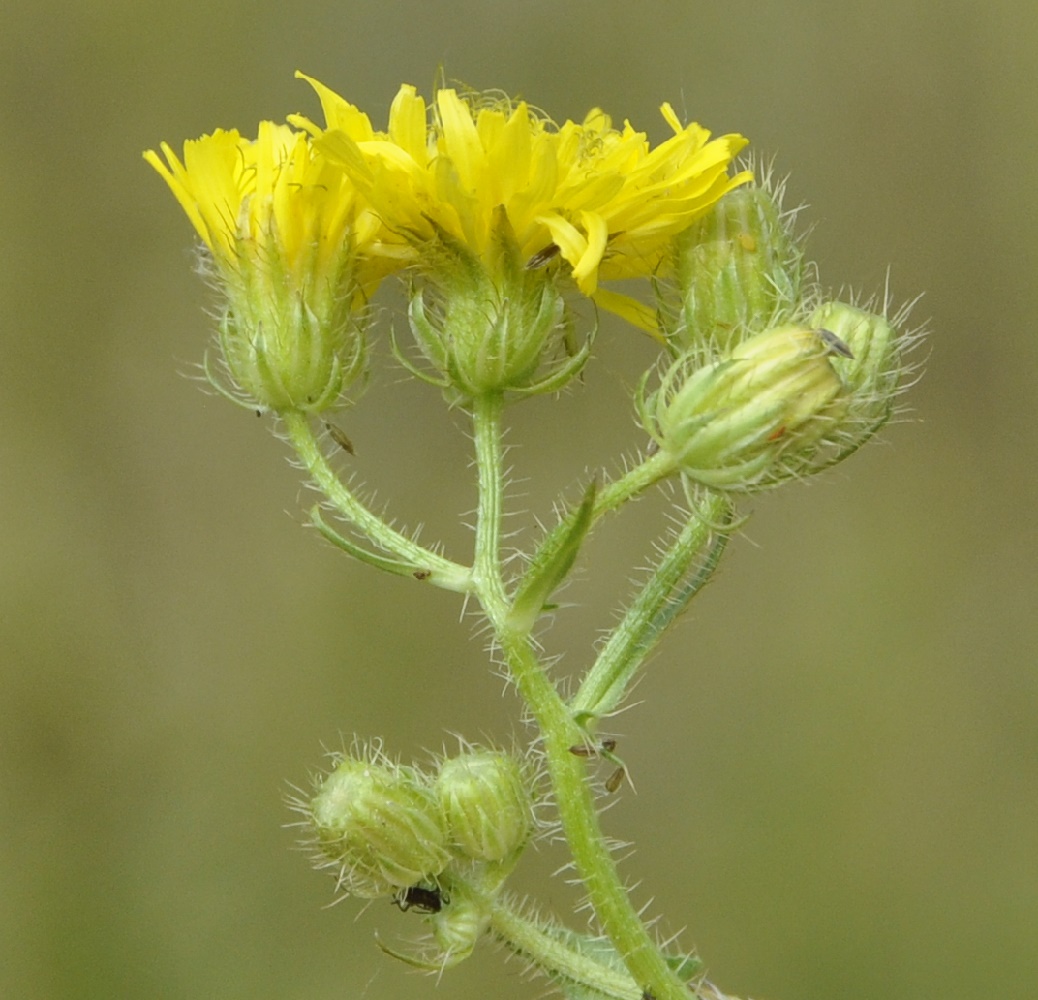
<point>486,805</point>
<point>752,419</point>
<point>380,826</point>
<point>735,270</point>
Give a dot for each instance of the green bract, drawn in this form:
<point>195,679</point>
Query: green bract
<point>490,324</point>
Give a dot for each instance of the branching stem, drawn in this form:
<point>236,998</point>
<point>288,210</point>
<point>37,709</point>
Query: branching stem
<point>559,731</point>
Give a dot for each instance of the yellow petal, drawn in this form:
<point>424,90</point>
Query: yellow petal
<point>460,139</point>
<point>635,312</point>
<point>585,271</point>
<point>408,126</point>
<point>338,112</point>
<point>571,242</point>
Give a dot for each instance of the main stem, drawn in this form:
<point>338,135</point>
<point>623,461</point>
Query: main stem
<point>573,797</point>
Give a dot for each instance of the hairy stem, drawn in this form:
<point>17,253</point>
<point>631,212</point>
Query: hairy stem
<point>432,566</point>
<point>553,956</point>
<point>573,796</point>
<point>659,602</point>
<point>487,571</point>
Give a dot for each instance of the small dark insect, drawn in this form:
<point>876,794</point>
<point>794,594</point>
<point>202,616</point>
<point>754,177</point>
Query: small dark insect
<point>422,574</point>
<point>419,898</point>
<point>615,780</point>
<point>584,750</point>
<point>338,435</point>
<point>542,257</point>
<point>835,345</point>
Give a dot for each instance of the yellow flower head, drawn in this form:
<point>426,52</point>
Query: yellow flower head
<point>291,242</point>
<point>275,195</point>
<point>603,197</point>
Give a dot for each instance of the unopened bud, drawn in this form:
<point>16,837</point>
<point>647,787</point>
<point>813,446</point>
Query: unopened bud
<point>380,826</point>
<point>870,370</point>
<point>486,805</point>
<point>872,362</point>
<point>458,927</point>
<point>752,419</point>
<point>734,271</point>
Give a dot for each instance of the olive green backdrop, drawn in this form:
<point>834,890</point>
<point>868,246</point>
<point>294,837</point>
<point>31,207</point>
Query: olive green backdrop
<point>836,758</point>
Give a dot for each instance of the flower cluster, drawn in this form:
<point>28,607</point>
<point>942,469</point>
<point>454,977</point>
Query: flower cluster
<point>431,842</point>
<point>500,220</point>
<point>600,198</point>
<point>499,216</point>
<point>494,206</point>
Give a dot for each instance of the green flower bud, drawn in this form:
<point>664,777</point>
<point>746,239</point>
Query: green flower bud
<point>486,805</point>
<point>752,419</point>
<point>737,269</point>
<point>380,826</point>
<point>491,324</point>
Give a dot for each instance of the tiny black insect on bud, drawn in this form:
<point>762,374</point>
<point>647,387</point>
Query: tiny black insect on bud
<point>420,898</point>
<point>422,574</point>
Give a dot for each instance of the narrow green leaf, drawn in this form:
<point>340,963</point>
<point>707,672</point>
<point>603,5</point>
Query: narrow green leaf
<point>551,564</point>
<point>364,555</point>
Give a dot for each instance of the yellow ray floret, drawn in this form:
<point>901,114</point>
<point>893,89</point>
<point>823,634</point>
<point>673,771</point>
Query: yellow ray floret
<point>605,197</point>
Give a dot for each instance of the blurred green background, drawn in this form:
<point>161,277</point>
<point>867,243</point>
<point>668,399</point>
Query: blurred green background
<point>836,758</point>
